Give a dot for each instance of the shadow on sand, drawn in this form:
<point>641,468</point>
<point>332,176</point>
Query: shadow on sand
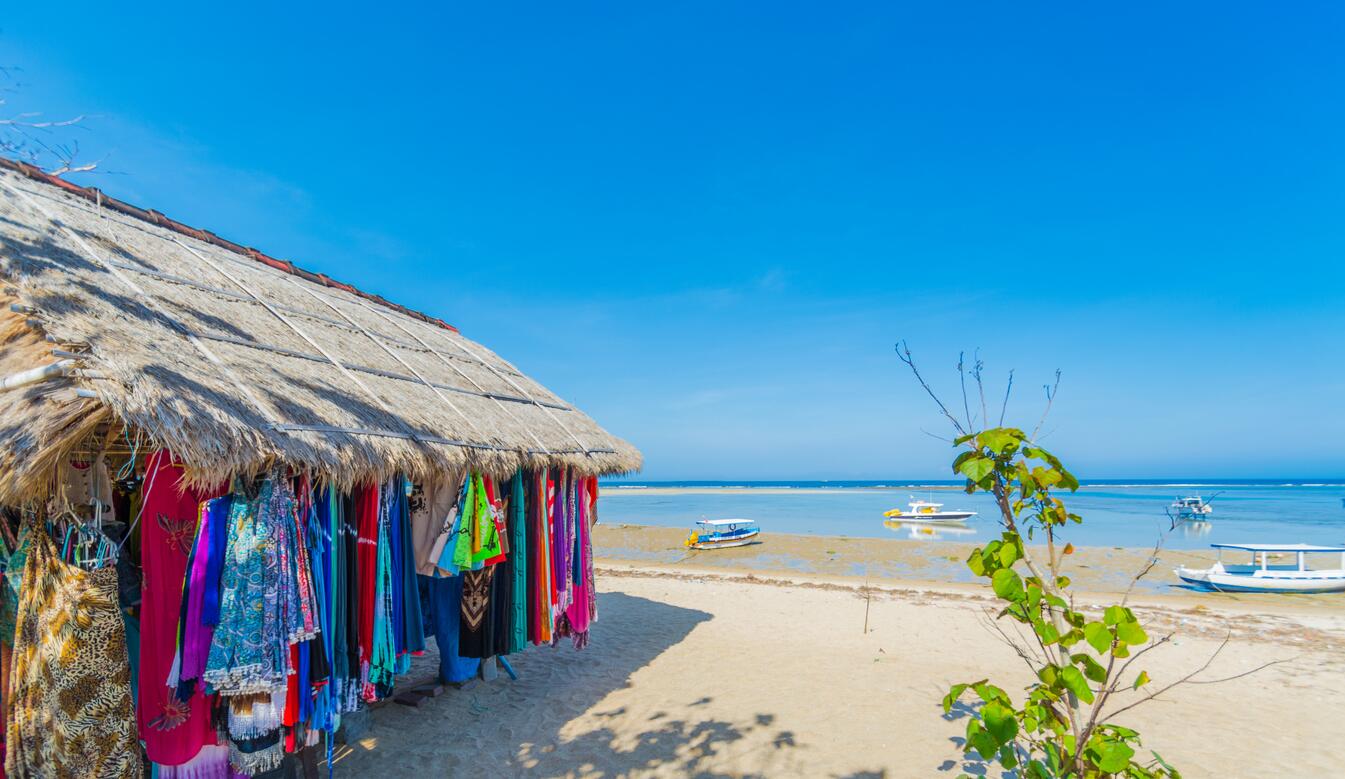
<point>523,728</point>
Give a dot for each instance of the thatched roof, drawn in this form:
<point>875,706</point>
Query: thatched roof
<point>235,360</point>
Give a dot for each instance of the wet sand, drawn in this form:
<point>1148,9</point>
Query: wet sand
<point>1103,570</point>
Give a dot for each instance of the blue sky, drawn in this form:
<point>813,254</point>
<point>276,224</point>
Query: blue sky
<point>708,223</point>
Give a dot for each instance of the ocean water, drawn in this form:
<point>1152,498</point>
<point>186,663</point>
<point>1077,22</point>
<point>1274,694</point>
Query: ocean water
<point>1130,514</point>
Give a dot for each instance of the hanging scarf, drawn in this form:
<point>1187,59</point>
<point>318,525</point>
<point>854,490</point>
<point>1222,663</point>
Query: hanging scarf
<point>247,651</point>
<point>578,610</point>
<point>173,731</point>
<point>475,601</point>
<point>518,555</point>
<point>367,511</point>
<point>258,755</point>
<point>383,656</point>
<point>412,623</point>
<point>194,632</point>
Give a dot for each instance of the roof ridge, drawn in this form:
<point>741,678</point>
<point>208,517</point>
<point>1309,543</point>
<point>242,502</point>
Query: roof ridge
<point>97,196</point>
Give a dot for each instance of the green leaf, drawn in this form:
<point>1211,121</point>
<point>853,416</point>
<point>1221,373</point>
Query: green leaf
<point>1008,585</point>
<point>1141,680</point>
<point>1007,758</point>
<point>976,468</point>
<point>976,563</point>
<point>1122,732</point>
<point>1008,555</point>
<point>954,693</point>
<point>999,722</point>
<point>1046,631</point>
<point>1074,681</point>
<point>1098,636</point>
<point>1091,668</point>
<point>1115,615</point>
<point>989,692</point>
<point>1131,633</point>
<point>1114,756</point>
<point>1000,439</point>
<point>1159,759</point>
<point>980,740</point>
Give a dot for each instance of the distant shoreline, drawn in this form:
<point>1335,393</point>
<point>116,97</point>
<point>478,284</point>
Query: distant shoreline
<point>821,488</point>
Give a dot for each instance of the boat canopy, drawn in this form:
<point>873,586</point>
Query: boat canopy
<point>1280,547</point>
<point>721,522</point>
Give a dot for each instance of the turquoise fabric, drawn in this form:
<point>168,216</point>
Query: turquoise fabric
<point>518,555</point>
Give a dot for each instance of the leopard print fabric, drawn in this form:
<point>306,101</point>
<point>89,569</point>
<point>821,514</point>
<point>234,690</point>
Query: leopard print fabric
<point>69,711</point>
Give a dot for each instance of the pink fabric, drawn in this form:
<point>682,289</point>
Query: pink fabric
<point>212,762</point>
<point>173,732</point>
<point>577,611</point>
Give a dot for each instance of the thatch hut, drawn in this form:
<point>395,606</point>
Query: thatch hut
<point>119,321</point>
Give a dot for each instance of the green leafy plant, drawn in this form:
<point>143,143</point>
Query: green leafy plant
<point>1062,726</point>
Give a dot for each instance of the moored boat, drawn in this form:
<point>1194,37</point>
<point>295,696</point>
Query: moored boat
<point>1192,507</point>
<point>1262,576</point>
<point>925,511</point>
<point>723,533</point>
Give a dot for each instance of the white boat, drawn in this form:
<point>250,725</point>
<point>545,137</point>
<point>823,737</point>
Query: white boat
<point>925,511</point>
<point>1264,577</point>
<point>1192,508</point>
<point>723,533</point>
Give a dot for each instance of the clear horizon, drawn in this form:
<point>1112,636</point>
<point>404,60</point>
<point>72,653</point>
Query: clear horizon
<point>708,226</point>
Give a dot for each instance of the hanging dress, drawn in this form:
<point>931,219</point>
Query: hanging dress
<point>367,521</point>
<point>413,623</point>
<point>443,596</point>
<point>173,731</point>
<point>247,651</point>
<point>70,711</point>
<point>518,554</point>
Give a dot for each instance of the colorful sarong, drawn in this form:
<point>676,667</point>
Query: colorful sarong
<point>70,711</point>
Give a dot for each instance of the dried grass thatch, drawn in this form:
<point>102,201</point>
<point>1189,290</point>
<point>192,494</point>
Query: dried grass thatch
<point>236,363</point>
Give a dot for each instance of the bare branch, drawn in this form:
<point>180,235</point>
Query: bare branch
<point>1005,405</point>
<point>977,369</point>
<point>1190,678</point>
<point>1148,567</point>
<point>904,354</point>
<point>1051,390</point>
<point>962,376</point>
<point>1020,648</point>
<point>21,135</point>
<point>1260,667</point>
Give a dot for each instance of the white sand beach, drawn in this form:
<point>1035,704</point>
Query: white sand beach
<point>731,674</point>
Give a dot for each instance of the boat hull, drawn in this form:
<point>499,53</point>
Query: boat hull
<point>942,518</point>
<point>1302,582</point>
<point>726,543</point>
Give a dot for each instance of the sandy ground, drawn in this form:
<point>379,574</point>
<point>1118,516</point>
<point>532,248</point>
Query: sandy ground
<point>730,674</point>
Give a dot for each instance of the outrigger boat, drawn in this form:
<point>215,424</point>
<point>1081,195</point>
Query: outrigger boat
<point>723,533</point>
<point>1192,508</point>
<point>925,511</point>
<point>1264,577</point>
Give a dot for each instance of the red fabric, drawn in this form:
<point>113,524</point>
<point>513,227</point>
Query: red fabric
<point>173,732</point>
<point>366,560</point>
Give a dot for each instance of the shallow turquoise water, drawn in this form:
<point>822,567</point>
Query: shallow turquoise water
<point>1113,515</point>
